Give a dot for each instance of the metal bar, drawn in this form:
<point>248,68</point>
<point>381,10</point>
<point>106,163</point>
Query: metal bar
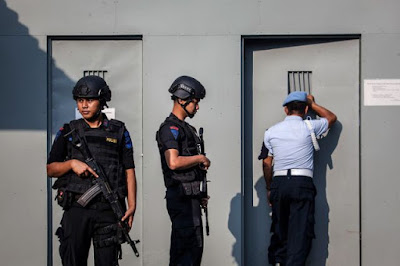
<point>49,141</point>
<point>298,74</point>
<point>294,82</point>
<point>243,148</point>
<point>308,82</point>
<point>299,81</point>
<point>96,37</point>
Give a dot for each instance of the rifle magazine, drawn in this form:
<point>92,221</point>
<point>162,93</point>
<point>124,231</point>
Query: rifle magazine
<point>89,195</point>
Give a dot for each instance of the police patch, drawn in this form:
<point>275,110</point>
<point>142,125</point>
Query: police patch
<point>112,140</point>
<point>174,131</point>
<point>59,132</point>
<point>128,141</point>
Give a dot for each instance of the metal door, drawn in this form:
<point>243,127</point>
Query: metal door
<point>334,82</point>
<point>120,63</point>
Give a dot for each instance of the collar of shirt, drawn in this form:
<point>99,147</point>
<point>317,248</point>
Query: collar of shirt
<point>174,117</point>
<point>293,117</point>
<point>104,123</point>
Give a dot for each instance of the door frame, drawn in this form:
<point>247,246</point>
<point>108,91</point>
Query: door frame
<point>270,42</point>
<point>50,39</point>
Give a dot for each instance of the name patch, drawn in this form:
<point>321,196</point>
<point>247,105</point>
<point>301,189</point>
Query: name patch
<point>112,140</point>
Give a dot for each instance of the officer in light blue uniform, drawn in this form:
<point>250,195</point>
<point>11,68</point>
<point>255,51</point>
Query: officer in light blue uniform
<point>290,187</point>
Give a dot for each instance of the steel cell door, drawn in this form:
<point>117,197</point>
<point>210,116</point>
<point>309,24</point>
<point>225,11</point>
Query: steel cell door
<point>332,66</point>
<point>120,63</point>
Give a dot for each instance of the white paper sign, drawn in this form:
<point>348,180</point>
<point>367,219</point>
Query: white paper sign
<point>381,92</point>
<point>110,113</point>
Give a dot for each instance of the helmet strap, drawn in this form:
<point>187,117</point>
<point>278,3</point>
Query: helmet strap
<point>184,107</point>
<point>96,116</point>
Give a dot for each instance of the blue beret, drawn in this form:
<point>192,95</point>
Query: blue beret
<point>300,96</point>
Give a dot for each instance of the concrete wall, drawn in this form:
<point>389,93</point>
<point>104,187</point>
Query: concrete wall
<point>201,38</point>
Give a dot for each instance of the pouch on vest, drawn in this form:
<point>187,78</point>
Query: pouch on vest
<point>191,188</point>
<point>61,182</point>
<point>64,198</point>
<point>184,177</point>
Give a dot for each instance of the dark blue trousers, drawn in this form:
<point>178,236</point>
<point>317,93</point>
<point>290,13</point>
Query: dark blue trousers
<point>292,229</point>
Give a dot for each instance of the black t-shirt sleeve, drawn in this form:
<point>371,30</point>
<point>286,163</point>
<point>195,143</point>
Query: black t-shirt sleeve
<point>264,152</point>
<point>127,151</point>
<point>169,137</point>
<point>58,151</point>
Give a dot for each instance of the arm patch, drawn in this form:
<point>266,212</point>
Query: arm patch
<point>128,140</point>
<point>59,133</point>
<point>174,131</point>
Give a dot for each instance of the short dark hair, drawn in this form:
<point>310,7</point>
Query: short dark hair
<point>175,98</point>
<point>296,107</point>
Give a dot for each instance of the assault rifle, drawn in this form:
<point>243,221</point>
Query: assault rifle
<point>101,186</point>
<point>204,189</point>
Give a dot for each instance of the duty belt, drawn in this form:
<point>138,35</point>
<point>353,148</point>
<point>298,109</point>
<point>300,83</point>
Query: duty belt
<point>294,172</point>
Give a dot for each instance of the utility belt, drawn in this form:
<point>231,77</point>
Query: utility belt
<point>185,189</point>
<point>186,183</point>
<point>294,172</point>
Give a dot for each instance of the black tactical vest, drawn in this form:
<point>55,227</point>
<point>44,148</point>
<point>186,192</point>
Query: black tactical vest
<point>105,144</point>
<point>189,179</point>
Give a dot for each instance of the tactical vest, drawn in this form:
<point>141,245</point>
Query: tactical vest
<point>189,179</point>
<point>105,145</point>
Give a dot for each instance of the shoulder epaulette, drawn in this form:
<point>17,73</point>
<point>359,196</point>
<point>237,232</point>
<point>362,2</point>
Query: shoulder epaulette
<point>77,123</point>
<point>116,122</point>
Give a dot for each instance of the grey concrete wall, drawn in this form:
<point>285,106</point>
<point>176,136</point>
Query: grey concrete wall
<point>379,148</point>
<point>201,38</point>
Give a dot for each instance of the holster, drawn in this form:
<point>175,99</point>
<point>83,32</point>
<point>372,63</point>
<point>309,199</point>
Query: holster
<point>64,198</point>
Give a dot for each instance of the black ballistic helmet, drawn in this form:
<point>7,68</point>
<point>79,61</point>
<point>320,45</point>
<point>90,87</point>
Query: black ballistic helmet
<point>186,87</point>
<point>92,87</point>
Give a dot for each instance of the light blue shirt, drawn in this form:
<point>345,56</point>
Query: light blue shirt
<point>290,142</point>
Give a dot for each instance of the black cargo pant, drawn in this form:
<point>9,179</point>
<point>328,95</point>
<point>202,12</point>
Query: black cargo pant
<point>187,231</point>
<point>79,225</point>
<point>292,229</point>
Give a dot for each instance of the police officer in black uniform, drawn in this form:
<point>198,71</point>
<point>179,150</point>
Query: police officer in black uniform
<point>182,164</point>
<point>111,146</point>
